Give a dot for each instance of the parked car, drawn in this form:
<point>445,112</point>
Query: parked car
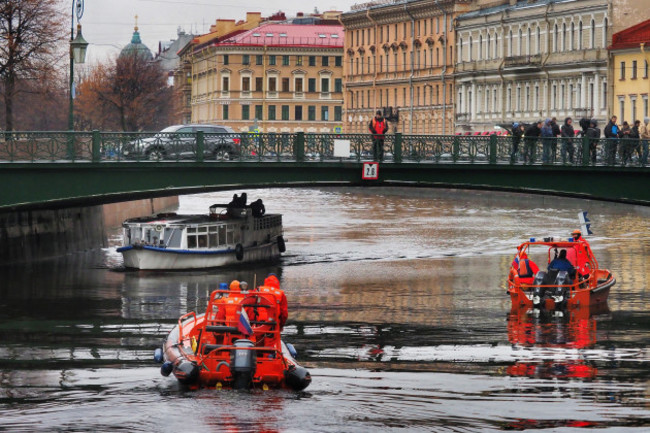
<point>179,141</point>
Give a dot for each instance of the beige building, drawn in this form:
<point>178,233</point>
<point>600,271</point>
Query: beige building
<point>198,49</point>
<point>281,76</point>
<point>533,59</point>
<point>525,61</point>
<point>399,58</point>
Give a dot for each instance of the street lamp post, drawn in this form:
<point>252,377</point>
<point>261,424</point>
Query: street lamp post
<point>78,48</point>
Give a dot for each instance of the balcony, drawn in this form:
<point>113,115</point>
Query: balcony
<point>523,62</point>
<point>463,117</point>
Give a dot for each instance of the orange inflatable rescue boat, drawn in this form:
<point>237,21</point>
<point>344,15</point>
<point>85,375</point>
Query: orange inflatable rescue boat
<point>235,344</point>
<point>580,282</point>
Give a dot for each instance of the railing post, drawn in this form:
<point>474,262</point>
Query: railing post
<point>585,151</point>
<point>397,147</point>
<point>200,145</point>
<point>493,149</point>
<point>455,152</point>
<point>70,146</point>
<point>299,146</point>
<point>96,146</point>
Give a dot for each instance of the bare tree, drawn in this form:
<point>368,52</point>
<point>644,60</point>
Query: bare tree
<point>130,93</point>
<point>30,32</point>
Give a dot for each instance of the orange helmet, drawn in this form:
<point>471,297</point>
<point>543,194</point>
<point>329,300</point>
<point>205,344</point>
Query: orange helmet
<point>576,232</point>
<point>234,286</point>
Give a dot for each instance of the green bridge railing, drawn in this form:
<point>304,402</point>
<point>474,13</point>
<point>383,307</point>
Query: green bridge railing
<point>105,147</point>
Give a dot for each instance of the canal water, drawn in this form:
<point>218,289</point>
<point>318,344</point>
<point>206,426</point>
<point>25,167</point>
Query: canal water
<point>397,306</point>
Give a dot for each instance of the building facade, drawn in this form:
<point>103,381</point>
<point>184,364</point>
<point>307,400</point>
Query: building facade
<point>196,49</point>
<point>528,60</point>
<point>277,77</point>
<point>630,56</point>
<point>399,58</point>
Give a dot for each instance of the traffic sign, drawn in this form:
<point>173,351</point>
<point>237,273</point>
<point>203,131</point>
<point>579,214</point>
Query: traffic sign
<point>370,171</point>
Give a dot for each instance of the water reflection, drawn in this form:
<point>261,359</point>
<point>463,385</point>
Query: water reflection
<point>397,307</point>
<point>168,295</point>
<point>569,329</point>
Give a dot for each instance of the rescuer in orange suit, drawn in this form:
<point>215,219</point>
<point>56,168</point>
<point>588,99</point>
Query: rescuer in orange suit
<point>273,285</point>
<point>577,237</point>
<point>527,269</point>
<point>235,289</point>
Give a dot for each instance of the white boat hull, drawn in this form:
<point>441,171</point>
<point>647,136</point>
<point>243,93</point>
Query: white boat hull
<point>168,258</point>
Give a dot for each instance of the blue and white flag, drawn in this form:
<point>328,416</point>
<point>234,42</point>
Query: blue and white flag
<point>585,224</point>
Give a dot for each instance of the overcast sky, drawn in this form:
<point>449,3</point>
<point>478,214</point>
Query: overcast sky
<point>108,24</point>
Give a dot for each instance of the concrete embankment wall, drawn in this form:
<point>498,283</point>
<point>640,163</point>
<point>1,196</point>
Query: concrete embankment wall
<point>33,235</point>
<point>116,213</point>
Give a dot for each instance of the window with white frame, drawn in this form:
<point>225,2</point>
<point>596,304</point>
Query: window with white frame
<point>621,107</point>
<point>580,35</point>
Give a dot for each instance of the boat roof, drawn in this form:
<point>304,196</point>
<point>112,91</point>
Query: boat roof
<point>183,219</point>
<point>559,244</point>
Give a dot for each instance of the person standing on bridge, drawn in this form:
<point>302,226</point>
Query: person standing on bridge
<point>644,133</point>
<point>530,140</point>
<point>378,127</point>
<point>567,143</point>
<point>517,134</point>
<point>612,131</point>
<point>593,134</point>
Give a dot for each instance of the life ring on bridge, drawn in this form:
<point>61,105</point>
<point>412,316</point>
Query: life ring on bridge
<point>239,252</point>
<point>281,246</point>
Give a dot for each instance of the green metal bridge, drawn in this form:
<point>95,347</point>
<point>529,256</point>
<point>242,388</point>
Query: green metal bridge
<point>62,169</point>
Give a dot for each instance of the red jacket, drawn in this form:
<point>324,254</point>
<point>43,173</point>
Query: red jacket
<point>273,284</point>
<point>378,127</point>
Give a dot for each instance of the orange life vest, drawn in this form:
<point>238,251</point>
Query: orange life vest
<point>525,271</point>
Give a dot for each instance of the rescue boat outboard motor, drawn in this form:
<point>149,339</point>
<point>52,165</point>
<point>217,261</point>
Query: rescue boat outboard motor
<point>186,372</point>
<point>560,294</point>
<point>298,378</point>
<point>242,364</point>
<point>538,292</point>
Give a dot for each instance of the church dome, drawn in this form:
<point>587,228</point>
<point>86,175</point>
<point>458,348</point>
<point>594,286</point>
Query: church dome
<point>136,47</point>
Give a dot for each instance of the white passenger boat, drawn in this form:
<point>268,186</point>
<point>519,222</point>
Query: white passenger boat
<point>229,234</point>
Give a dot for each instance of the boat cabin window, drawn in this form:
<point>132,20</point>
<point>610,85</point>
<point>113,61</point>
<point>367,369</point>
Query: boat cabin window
<point>222,235</point>
<point>191,237</point>
<point>136,235</point>
<point>173,237</point>
<point>213,236</point>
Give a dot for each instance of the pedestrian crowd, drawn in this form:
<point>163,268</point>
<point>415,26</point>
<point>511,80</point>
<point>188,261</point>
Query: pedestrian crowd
<point>626,140</point>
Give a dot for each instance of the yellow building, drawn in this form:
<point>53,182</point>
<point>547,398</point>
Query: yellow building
<point>399,58</point>
<point>280,76</point>
<point>196,50</point>
<point>630,59</point>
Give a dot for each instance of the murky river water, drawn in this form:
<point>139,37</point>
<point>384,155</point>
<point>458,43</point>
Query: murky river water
<point>397,307</point>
